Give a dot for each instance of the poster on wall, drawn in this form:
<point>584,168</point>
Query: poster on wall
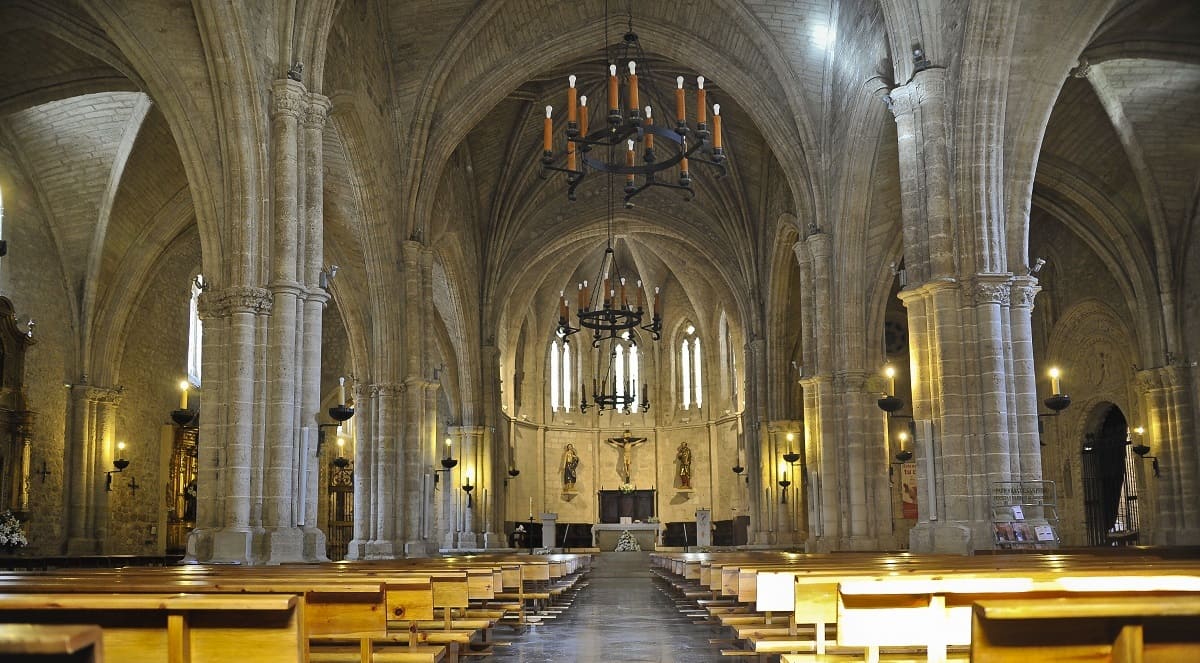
<point>908,490</point>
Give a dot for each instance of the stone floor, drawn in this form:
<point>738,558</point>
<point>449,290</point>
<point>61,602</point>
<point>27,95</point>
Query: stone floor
<point>620,617</point>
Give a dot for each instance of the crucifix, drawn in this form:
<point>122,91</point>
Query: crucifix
<point>626,443</point>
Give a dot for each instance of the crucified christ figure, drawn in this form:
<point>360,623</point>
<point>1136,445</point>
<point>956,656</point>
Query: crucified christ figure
<point>626,443</point>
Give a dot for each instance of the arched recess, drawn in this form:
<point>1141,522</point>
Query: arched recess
<point>785,300</point>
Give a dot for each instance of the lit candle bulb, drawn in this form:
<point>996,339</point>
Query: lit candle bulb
<point>583,116</point>
<point>183,386</point>
<point>701,101</point>
<point>680,109</point>
<point>891,376</point>
<point>447,447</point>
<point>717,126</point>
<point>1055,384</point>
<point>548,130</point>
<point>613,106</point>
<point>633,87</point>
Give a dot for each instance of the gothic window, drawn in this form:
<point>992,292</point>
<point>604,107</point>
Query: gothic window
<point>195,332</point>
<point>560,375</point>
<point>689,364</point>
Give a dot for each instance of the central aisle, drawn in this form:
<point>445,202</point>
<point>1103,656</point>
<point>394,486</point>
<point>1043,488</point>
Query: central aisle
<point>620,617</point>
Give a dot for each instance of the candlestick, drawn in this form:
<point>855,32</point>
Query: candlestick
<point>701,101</point>
<point>717,126</point>
<point>613,106</point>
<point>548,131</point>
<point>583,116</point>
<point>341,391</point>
<point>649,136</point>
<point>1055,383</point>
<point>629,161</point>
<point>680,112</point>
<point>572,97</point>
<point>183,396</point>
<point>531,508</point>
<point>633,88</point>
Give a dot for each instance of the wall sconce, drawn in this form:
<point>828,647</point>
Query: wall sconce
<point>791,456</point>
<point>183,416</point>
<point>467,488</point>
<point>448,464</point>
<point>120,462</point>
<point>513,473</point>
<point>1058,401</point>
<point>340,412</point>
<point>783,483</point>
<point>341,462</point>
<point>890,403</point>
<point>1141,449</point>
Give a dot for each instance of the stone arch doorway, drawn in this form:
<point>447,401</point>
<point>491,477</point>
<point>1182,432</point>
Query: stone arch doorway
<point>1109,480</point>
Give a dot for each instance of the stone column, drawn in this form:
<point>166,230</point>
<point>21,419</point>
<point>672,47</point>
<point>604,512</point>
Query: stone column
<point>90,452</point>
<point>315,299</point>
<point>1168,430</point>
<point>758,457</point>
<point>1027,451</point>
<point>283,539</point>
<point>549,530</point>
<point>470,444</point>
<point>240,310</point>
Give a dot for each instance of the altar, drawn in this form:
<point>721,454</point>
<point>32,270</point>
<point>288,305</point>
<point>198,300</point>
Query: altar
<point>648,535</point>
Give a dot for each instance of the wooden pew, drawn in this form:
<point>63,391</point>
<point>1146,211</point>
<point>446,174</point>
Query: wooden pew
<point>1119,629</point>
<point>58,643</point>
<point>176,628</point>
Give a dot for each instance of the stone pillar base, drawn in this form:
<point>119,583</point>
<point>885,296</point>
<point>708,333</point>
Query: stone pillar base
<point>494,540</point>
<point>468,540</point>
<point>367,549</point>
<point>762,538</point>
<point>232,546</point>
<point>199,546</point>
<point>314,545</point>
<point>83,546</point>
<point>420,548</point>
<point>283,545</point>
<point>949,538</point>
<point>860,543</point>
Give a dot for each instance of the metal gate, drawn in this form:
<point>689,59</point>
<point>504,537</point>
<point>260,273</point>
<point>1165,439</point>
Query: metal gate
<point>1110,491</point>
<point>340,528</point>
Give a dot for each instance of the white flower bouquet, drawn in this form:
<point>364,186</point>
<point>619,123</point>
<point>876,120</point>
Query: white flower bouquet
<point>11,535</point>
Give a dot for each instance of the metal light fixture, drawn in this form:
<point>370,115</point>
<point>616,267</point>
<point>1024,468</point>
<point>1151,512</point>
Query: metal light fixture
<point>184,416</point>
<point>791,456</point>
<point>783,484</point>
<point>1058,401</point>
<point>1141,449</point>
<point>630,127</point>
<point>605,309</point>
<point>120,463</point>
<point>341,412</point>
<point>448,463</point>
<point>467,488</point>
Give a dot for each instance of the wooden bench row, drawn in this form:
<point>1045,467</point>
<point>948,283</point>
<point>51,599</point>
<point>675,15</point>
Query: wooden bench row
<point>405,610</point>
<point>900,602</point>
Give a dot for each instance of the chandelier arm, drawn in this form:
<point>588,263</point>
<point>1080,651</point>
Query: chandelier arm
<point>630,193</point>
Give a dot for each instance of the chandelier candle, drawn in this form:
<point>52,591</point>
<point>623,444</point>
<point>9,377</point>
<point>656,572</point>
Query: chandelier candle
<point>614,107</point>
<point>583,117</point>
<point>701,103</point>
<point>680,106</point>
<point>572,101</point>
<point>633,91</point>
<point>629,162</point>
<point>341,391</point>
<point>716,126</point>
<point>548,132</point>
<point>649,136</point>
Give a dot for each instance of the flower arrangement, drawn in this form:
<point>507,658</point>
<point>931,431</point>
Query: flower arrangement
<point>626,488</point>
<point>11,535</point>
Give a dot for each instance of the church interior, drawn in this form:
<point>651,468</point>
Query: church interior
<point>312,281</point>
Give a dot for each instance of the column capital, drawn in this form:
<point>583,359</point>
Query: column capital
<point>103,395</point>
<point>991,289</point>
<point>384,390</point>
<point>317,111</point>
<point>287,98</point>
<point>927,85</point>
<point>1024,290</point>
<point>234,299</point>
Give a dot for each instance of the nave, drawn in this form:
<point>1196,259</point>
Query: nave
<point>619,616</point>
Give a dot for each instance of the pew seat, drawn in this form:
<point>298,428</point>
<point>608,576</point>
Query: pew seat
<point>57,643</point>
